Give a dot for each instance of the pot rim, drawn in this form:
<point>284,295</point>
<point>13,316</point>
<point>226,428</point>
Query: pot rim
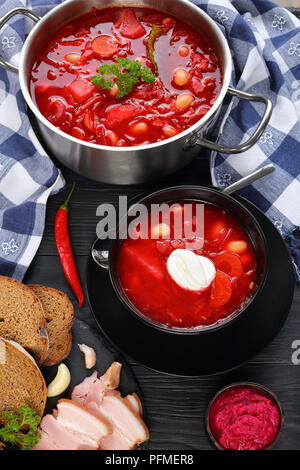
<point>227,69</point>
<point>198,329</point>
<point>244,384</point>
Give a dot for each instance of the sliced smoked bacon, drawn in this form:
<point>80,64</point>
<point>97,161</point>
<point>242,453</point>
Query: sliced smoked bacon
<point>122,417</point>
<point>72,427</point>
<point>93,388</point>
<point>101,396</point>
<point>127,425</point>
<point>56,437</point>
<point>134,401</point>
<point>81,420</point>
<point>97,417</point>
<point>116,441</point>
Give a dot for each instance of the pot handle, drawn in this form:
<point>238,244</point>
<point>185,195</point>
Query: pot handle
<point>257,133</point>
<point>4,20</point>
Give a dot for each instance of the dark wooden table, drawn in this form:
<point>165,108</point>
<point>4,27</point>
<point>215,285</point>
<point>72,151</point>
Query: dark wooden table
<point>176,406</point>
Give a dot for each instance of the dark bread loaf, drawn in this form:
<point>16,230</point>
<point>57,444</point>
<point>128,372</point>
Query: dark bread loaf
<point>21,381</point>
<point>58,311</point>
<point>22,318</point>
<point>59,351</point>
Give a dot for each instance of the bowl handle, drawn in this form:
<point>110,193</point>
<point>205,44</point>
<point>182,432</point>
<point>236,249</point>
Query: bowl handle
<point>257,133</point>
<point>4,20</point>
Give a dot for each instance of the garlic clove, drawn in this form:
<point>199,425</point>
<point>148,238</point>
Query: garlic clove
<point>89,355</point>
<point>60,383</point>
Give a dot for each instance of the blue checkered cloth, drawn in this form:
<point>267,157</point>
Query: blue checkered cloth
<point>27,175</point>
<point>265,43</point>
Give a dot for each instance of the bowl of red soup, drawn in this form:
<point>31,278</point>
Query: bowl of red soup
<point>244,416</point>
<point>193,260</point>
<point>124,93</point>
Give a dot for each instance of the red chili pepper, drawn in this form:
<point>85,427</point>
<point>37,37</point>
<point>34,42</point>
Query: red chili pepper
<point>64,249</point>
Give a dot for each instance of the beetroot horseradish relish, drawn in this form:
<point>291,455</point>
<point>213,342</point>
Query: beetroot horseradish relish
<point>187,79</point>
<point>144,271</point>
<point>244,418</point>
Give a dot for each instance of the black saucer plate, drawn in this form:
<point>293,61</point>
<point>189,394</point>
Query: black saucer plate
<point>84,334</point>
<point>210,352</point>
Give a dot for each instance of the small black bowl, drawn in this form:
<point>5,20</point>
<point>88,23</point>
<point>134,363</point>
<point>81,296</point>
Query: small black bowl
<point>216,198</point>
<point>248,385</point>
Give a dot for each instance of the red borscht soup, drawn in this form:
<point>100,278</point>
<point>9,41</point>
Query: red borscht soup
<point>173,84</point>
<point>175,285</point>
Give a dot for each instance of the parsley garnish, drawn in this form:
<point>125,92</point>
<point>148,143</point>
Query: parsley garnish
<point>12,432</point>
<point>125,73</point>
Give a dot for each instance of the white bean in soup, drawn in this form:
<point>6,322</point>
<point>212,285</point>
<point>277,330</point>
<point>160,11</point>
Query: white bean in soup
<point>181,77</point>
<point>184,101</point>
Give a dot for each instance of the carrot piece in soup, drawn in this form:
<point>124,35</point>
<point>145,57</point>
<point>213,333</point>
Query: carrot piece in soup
<point>228,263</point>
<point>221,290</point>
<point>105,46</point>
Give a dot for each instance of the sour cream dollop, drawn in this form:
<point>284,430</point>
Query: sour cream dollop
<point>190,271</point>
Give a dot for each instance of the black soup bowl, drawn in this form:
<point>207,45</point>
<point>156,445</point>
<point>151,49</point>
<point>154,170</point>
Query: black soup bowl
<point>238,212</point>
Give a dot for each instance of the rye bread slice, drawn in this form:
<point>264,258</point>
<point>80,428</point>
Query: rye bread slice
<point>58,309</point>
<point>22,318</point>
<point>21,381</point>
<point>59,351</point>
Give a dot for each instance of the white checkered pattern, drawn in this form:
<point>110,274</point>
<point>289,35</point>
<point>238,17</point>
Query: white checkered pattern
<point>265,40</point>
<point>27,175</point>
<point>265,44</point>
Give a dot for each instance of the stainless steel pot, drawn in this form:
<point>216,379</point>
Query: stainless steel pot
<point>131,165</point>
